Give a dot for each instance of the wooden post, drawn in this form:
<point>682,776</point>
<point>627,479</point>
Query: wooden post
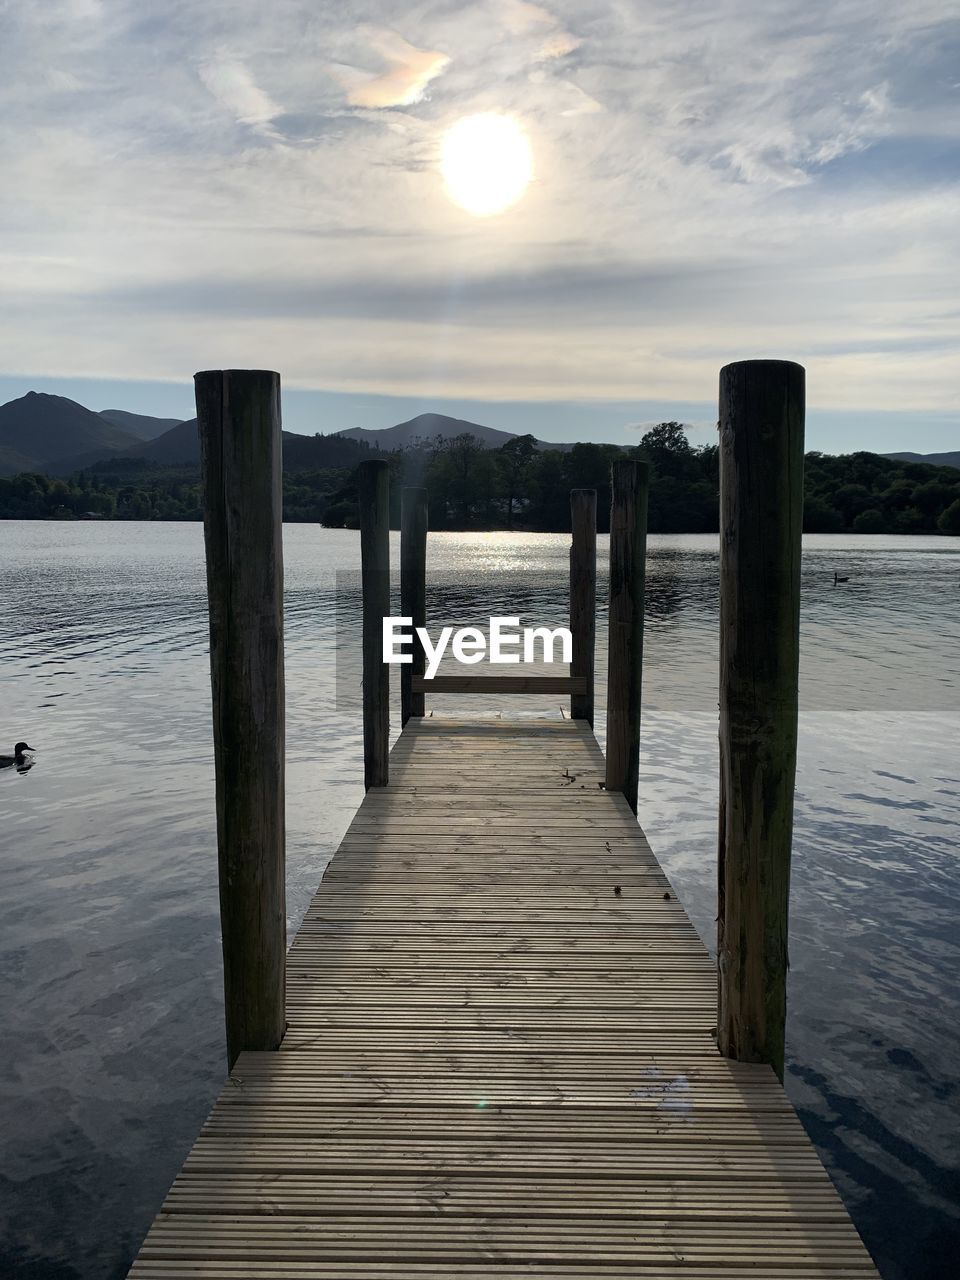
<point>374,494</point>
<point>413,593</point>
<point>630,485</point>
<point>761,518</point>
<point>238,413</point>
<point>583,597</point>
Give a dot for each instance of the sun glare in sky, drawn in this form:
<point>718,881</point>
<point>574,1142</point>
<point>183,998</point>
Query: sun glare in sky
<point>486,163</point>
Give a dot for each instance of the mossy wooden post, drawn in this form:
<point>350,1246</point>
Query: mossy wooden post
<point>761,518</point>
<point>374,494</point>
<point>583,597</point>
<point>238,413</point>
<point>413,593</point>
<point>630,482</point>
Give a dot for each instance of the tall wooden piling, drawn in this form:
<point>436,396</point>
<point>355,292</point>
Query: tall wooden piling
<point>630,484</point>
<point>583,598</point>
<point>413,593</point>
<point>238,412</point>
<point>374,496</point>
<point>761,518</point>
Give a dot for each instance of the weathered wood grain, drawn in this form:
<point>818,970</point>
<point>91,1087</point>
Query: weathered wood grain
<point>583,599</point>
<point>238,414</point>
<point>630,483</point>
<point>761,519</point>
<point>496,1065</point>
<point>413,594</point>
<point>373,489</point>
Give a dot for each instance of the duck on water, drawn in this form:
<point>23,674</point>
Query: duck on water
<point>18,758</point>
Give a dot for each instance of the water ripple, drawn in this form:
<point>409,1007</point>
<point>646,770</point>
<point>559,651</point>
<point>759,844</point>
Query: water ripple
<point>110,985</point>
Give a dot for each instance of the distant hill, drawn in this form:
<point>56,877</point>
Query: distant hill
<point>40,430</point>
<point>178,444</point>
<point>140,425</point>
<point>426,428</point>
<point>316,453</point>
<point>929,459</point>
<point>181,446</point>
<point>340,449</point>
<point>12,462</point>
<point>57,436</point>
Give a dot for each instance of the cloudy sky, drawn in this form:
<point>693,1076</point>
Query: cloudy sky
<point>202,183</point>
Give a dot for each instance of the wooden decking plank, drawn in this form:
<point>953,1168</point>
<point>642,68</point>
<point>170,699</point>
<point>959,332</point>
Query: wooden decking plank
<point>497,1065</point>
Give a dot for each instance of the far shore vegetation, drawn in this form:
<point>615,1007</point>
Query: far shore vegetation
<point>518,486</point>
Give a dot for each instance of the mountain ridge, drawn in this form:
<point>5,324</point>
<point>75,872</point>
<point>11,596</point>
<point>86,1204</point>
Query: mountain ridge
<point>426,428</point>
<point>57,436</point>
<point>949,459</point>
<point>142,425</point>
<point>180,446</point>
<point>43,429</point>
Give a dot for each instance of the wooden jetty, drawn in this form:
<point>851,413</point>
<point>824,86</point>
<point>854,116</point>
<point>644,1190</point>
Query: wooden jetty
<point>502,1054</point>
<point>494,1064</point>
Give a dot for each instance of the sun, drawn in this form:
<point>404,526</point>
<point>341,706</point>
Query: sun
<point>486,162</point>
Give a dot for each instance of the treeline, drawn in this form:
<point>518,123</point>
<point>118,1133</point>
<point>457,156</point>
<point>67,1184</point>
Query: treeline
<point>522,486</point>
<point>519,486</point>
<point>137,490</point>
<point>864,493</point>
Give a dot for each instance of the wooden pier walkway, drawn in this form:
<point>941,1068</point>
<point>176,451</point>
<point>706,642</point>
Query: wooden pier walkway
<point>496,1064</point>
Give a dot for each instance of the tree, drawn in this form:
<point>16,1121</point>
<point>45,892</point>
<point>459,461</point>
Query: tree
<point>851,500</point>
<point>820,517</point>
<point>684,483</point>
<point>909,520</point>
<point>896,497</point>
<point>932,496</point>
<point>668,450</point>
<point>949,521</point>
<point>870,521</point>
<point>473,487</point>
<point>666,439</point>
<point>513,463</point>
<point>549,491</point>
<point>587,466</point>
<point>462,470</point>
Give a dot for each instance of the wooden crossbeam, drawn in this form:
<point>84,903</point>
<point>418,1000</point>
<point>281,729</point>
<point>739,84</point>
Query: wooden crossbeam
<point>500,684</point>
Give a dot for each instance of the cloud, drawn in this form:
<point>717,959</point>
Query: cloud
<point>83,10</point>
<point>713,182</point>
<point>558,45</point>
<point>580,103</point>
<point>519,17</point>
<point>410,71</point>
<point>234,87</point>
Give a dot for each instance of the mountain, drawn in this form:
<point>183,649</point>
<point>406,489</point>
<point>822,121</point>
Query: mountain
<point>181,446</point>
<point>318,453</point>
<point>427,427</point>
<point>39,430</point>
<point>140,425</point>
<point>930,459</point>
<point>12,462</point>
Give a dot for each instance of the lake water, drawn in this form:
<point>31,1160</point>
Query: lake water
<point>110,995</point>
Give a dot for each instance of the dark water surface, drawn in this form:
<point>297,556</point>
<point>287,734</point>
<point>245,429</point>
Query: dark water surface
<point>110,998</point>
